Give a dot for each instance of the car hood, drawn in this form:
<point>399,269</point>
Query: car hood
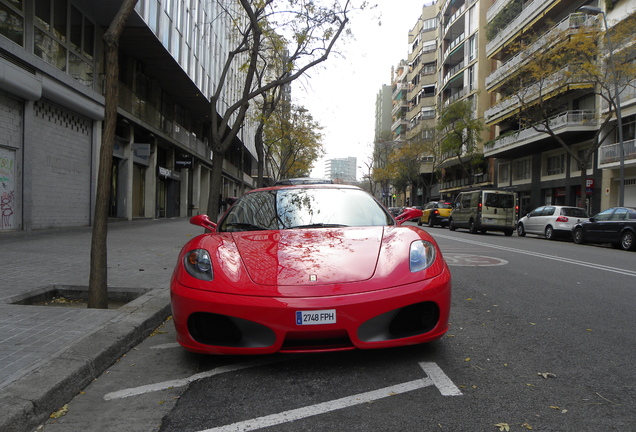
<point>310,256</point>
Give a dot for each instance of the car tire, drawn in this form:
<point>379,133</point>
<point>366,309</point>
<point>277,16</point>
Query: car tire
<point>419,222</point>
<point>472,228</point>
<point>627,240</point>
<point>577,236</point>
<point>521,231</point>
<point>509,232</point>
<point>451,225</point>
<point>549,232</point>
<point>430,222</point>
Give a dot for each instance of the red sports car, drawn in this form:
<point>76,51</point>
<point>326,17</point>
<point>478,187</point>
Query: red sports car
<point>309,268</point>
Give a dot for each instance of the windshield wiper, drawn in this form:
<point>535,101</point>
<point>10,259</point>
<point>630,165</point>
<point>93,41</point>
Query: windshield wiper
<point>319,225</point>
<point>246,226</point>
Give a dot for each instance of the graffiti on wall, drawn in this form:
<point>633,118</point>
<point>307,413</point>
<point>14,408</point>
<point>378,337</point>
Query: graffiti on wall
<point>7,188</point>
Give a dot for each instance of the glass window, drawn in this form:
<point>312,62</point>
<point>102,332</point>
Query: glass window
<point>12,22</point>
<point>50,50</point>
<point>59,19</point>
<point>620,214</point>
<point>499,200</point>
<point>574,212</point>
<point>43,13</point>
<point>604,215</point>
<point>555,164</point>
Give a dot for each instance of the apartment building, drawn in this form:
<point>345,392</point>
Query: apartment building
<point>401,88</point>
<point>530,160</point>
<point>342,170</point>
<point>422,77</point>
<point>52,108</point>
<point>462,71</point>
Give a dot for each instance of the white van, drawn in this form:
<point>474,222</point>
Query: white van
<point>484,210</point>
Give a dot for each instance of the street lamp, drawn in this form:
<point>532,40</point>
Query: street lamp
<point>592,10</point>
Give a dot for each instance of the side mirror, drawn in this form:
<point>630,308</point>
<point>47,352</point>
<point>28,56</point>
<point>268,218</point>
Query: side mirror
<point>408,214</point>
<point>203,221</point>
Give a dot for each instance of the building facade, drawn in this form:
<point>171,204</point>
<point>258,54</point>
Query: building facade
<point>52,109</point>
<point>342,170</point>
<point>527,158</point>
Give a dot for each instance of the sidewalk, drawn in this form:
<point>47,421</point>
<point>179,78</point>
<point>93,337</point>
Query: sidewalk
<point>50,353</point>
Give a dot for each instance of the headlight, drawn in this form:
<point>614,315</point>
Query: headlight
<point>197,262</point>
<point>422,255</point>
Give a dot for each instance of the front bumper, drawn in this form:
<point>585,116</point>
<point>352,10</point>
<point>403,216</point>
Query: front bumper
<point>214,323</point>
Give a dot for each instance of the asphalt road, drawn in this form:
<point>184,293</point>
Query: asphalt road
<point>542,338</point>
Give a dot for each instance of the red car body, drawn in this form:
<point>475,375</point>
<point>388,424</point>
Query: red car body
<point>312,288</point>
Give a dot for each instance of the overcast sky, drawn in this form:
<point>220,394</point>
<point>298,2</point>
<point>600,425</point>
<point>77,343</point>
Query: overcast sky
<point>341,94</point>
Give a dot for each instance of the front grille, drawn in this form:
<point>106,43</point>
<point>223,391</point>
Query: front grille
<point>213,329</point>
<point>414,319</point>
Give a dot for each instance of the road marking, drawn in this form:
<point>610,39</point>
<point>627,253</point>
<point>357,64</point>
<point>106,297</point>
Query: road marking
<point>166,346</point>
<point>435,377</point>
<point>545,256</point>
<point>165,385</point>
<point>467,260</point>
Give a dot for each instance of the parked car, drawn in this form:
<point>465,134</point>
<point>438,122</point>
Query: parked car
<point>551,221</point>
<point>616,225</point>
<point>395,210</point>
<point>436,213</point>
<point>483,210</point>
<point>309,268</point>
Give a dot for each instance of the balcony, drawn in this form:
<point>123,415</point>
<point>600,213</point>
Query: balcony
<point>565,122</point>
<point>609,154</point>
<point>399,88</point>
<point>454,18</point>
<point>569,24</point>
<point>397,107</point>
<point>455,70</point>
<point>531,11</point>
<point>627,96</point>
<point>454,44</point>
<point>398,123</point>
<point>551,86</point>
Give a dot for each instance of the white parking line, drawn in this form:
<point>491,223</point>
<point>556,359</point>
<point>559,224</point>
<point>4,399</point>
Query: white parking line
<point>545,256</point>
<point>136,391</point>
<point>435,377</point>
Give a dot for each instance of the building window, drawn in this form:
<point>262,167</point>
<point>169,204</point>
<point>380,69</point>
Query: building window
<point>12,20</point>
<point>67,45</point>
<point>522,170</point>
<point>504,173</point>
<point>555,164</point>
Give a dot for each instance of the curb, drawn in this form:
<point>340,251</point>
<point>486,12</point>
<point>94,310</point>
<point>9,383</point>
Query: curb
<point>28,402</point>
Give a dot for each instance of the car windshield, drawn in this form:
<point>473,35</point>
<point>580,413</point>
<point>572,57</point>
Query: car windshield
<point>304,208</point>
<point>444,205</point>
<point>574,212</point>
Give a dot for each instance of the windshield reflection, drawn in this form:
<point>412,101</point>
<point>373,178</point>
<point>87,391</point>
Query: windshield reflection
<point>304,208</point>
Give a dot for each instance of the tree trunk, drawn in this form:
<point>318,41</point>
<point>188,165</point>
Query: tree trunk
<point>98,277</point>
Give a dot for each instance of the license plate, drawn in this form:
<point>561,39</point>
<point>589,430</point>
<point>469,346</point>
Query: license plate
<point>316,317</point>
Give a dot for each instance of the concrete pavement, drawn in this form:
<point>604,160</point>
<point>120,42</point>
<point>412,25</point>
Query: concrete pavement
<point>48,353</point>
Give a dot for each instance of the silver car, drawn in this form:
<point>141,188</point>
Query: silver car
<point>551,221</point>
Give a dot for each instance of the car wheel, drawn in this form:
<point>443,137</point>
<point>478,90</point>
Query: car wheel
<point>577,236</point>
<point>430,222</point>
<point>471,227</point>
<point>521,231</point>
<point>549,233</point>
<point>627,240</point>
<point>419,222</point>
<point>451,225</point>
<point>508,233</point>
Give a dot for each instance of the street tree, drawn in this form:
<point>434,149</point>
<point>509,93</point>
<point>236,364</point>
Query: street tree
<point>406,163</point>
<point>570,58</point>
<point>311,31</point>
<point>293,142</point>
<point>98,274</point>
<point>381,175</point>
<point>458,137</point>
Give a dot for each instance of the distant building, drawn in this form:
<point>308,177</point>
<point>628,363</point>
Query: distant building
<point>342,170</point>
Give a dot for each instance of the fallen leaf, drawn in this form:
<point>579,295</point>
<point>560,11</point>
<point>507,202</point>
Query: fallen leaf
<point>467,359</point>
<point>503,426</point>
<point>546,375</point>
<point>527,426</point>
<point>60,413</point>
<point>554,407</point>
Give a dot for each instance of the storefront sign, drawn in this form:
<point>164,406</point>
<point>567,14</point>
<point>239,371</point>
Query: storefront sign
<point>168,173</point>
<point>183,160</point>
